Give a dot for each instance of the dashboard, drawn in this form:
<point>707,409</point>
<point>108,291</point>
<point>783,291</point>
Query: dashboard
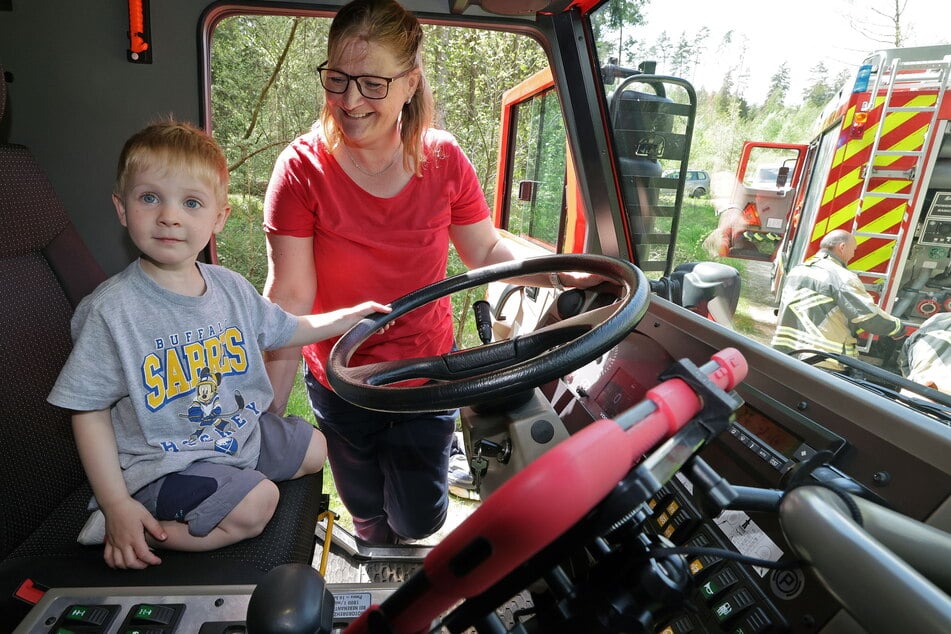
<point>796,425</point>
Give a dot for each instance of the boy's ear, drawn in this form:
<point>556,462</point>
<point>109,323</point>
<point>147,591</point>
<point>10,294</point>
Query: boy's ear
<point>222,218</point>
<point>120,209</point>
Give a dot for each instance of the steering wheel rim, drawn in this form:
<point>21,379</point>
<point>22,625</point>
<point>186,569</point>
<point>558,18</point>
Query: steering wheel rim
<point>499,369</point>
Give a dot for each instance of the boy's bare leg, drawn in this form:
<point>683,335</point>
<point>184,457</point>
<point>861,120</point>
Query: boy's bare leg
<point>246,520</point>
<point>316,455</point>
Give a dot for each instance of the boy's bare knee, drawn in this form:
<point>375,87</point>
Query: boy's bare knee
<point>254,512</point>
<point>316,455</point>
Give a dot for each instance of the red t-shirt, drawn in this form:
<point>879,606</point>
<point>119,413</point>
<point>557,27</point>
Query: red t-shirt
<point>370,248</point>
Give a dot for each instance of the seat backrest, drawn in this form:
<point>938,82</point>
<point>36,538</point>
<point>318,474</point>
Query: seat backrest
<point>45,269</point>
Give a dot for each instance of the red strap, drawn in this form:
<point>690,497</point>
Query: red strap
<point>137,43</point>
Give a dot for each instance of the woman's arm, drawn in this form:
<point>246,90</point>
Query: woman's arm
<point>291,284</point>
<point>479,244</point>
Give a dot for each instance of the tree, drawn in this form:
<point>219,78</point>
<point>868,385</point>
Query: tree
<point>819,91</point>
<point>778,88</point>
<point>608,28</point>
<point>681,61</point>
<point>882,25</point>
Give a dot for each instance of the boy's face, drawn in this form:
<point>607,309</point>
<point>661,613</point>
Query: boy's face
<point>171,215</point>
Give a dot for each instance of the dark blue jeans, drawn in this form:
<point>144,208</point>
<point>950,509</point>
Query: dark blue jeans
<point>390,470</point>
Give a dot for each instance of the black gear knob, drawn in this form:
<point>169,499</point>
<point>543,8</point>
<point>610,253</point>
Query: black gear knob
<point>291,599</point>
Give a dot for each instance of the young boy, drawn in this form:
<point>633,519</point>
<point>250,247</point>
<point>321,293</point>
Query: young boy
<point>166,379</point>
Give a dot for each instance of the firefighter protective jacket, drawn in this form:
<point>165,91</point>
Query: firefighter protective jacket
<point>824,305</point>
<point>926,355</point>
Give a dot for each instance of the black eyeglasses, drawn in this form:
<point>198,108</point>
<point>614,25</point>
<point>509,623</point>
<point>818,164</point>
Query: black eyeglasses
<point>370,86</point>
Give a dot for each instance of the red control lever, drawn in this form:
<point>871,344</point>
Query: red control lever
<point>541,502</point>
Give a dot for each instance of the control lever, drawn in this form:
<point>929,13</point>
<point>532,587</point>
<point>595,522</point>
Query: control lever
<point>548,497</point>
<point>291,599</point>
<point>489,449</point>
<point>719,495</point>
<point>483,320</point>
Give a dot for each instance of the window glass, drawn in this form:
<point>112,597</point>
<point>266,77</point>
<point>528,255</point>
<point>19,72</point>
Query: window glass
<point>537,195</point>
<point>265,92</point>
<point>651,119</point>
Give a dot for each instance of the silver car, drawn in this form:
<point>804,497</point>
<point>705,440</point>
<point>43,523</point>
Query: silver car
<point>697,183</point>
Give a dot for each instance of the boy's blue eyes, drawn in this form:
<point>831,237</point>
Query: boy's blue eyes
<point>152,199</point>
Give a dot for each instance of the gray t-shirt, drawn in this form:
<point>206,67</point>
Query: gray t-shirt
<point>183,376</point>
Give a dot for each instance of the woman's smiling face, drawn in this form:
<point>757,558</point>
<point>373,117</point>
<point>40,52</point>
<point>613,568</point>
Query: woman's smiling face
<point>368,122</point>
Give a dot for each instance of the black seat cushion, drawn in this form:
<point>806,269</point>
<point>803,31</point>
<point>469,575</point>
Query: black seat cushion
<point>51,558</point>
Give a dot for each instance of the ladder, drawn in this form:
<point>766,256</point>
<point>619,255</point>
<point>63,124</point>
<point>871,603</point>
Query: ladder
<point>918,75</point>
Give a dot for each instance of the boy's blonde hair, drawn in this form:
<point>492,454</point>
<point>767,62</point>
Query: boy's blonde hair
<point>174,146</point>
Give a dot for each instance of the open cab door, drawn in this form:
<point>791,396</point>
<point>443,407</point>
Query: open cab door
<point>758,216</point>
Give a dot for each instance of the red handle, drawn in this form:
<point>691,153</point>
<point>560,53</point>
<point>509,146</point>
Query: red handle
<point>137,27</point>
<point>544,500</point>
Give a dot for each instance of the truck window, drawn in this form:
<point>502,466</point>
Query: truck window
<point>651,119</point>
<point>264,92</point>
<point>537,170</point>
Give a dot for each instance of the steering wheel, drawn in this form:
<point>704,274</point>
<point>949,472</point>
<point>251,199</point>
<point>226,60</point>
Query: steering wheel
<point>499,369</point>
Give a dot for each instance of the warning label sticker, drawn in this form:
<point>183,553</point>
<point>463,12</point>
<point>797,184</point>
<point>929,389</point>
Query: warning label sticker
<point>350,605</point>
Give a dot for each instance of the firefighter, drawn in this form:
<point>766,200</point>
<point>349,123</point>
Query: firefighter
<point>824,304</point>
<point>926,355</point>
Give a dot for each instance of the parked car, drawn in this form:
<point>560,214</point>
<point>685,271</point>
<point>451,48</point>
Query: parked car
<point>697,183</point>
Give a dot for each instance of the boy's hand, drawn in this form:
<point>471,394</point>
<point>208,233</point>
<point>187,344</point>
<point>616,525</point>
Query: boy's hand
<point>354,314</point>
<point>126,545</point>
<point>311,328</point>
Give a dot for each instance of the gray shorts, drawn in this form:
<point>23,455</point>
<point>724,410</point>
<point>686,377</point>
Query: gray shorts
<point>204,493</point>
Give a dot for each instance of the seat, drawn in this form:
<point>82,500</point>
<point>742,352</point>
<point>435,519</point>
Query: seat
<point>45,269</point>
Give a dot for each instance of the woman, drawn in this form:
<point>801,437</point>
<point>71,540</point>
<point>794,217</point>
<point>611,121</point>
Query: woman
<point>365,206</point>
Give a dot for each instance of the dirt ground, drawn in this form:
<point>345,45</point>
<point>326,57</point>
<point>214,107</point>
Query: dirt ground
<point>757,300</point>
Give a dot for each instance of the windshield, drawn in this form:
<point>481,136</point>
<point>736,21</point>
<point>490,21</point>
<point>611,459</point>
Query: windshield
<point>767,216</point>
<point>674,148</point>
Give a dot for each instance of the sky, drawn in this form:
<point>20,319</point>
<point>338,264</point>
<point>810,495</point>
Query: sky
<point>799,32</point>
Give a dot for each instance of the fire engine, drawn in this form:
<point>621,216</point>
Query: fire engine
<point>880,167</point>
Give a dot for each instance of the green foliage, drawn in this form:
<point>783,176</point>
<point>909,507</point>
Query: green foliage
<point>540,158</point>
<point>609,24</point>
<point>469,70</point>
<point>265,92</point>
<point>241,245</point>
